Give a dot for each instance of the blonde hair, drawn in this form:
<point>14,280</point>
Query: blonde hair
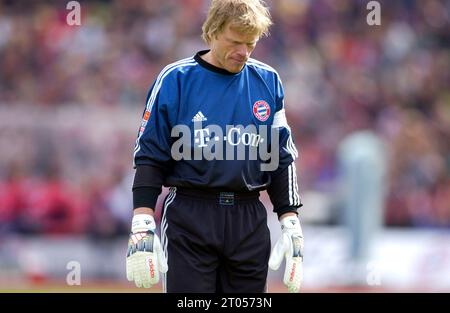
<point>247,16</point>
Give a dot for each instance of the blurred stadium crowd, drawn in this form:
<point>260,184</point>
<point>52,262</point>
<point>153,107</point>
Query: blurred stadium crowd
<point>71,99</point>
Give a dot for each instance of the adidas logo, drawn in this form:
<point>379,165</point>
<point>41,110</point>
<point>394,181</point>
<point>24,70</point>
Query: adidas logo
<point>199,117</point>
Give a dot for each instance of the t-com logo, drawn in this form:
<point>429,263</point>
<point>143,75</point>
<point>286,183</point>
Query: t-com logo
<point>234,137</point>
<point>235,142</point>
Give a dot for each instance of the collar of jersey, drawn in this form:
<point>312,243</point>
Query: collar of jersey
<point>211,67</point>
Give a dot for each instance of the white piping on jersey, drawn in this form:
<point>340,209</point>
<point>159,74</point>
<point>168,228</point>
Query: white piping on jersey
<point>169,68</point>
<point>295,184</point>
<point>263,66</point>
<point>290,144</point>
<point>162,75</point>
<point>291,199</point>
<point>294,198</point>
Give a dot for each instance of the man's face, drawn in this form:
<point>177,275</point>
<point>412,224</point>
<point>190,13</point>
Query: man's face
<point>231,49</point>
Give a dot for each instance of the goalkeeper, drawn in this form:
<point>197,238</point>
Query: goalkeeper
<point>214,234</point>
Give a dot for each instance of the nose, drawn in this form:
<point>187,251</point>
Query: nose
<point>243,51</point>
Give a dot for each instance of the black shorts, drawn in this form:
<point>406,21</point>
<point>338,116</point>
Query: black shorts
<point>215,242</point>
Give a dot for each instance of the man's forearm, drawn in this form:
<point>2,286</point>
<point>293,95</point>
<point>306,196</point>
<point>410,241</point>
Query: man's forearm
<point>144,210</point>
<point>286,214</point>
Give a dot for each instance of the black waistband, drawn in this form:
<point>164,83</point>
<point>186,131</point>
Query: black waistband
<point>223,197</point>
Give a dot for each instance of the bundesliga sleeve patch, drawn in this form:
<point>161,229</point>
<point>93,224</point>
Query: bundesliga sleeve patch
<point>146,115</point>
<point>261,110</point>
<point>144,121</point>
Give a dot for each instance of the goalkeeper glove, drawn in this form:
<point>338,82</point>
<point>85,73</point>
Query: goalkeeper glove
<point>145,258</point>
<point>289,246</point>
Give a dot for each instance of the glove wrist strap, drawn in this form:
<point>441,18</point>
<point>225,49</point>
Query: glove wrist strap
<point>142,223</point>
<point>290,222</point>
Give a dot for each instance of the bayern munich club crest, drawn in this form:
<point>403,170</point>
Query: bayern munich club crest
<point>261,110</point>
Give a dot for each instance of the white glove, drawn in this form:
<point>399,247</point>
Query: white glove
<point>145,258</point>
<point>289,246</point>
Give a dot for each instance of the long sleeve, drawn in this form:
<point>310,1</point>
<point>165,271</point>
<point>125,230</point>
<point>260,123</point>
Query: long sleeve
<point>152,157</point>
<point>283,190</point>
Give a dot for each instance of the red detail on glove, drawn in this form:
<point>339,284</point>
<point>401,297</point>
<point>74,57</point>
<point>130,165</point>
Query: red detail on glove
<point>152,268</point>
<point>291,277</point>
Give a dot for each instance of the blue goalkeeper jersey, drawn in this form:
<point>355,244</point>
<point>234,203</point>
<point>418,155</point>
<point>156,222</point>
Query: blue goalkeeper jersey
<point>204,127</point>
